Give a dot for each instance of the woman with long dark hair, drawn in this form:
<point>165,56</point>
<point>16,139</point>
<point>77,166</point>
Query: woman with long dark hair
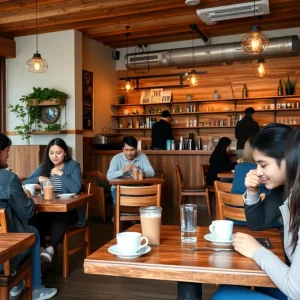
<point>219,160</point>
<point>65,175</point>
<point>19,209</point>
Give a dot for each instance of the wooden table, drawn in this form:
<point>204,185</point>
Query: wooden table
<point>12,244</point>
<point>226,174</point>
<point>130,181</point>
<point>59,204</point>
<point>174,262</point>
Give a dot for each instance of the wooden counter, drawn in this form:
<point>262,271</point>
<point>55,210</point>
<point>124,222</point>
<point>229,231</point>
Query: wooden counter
<point>163,160</point>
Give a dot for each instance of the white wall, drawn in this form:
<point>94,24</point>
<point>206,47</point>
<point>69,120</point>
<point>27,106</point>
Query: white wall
<point>97,58</point>
<point>199,42</point>
<point>63,52</point>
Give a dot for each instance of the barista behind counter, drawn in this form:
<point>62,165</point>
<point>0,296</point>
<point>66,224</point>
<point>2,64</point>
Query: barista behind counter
<point>161,132</point>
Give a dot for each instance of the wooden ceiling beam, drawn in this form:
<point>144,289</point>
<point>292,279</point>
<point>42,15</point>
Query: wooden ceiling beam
<point>7,48</point>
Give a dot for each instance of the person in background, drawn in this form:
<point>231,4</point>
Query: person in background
<point>122,164</point>
<point>284,275</point>
<point>268,149</point>
<point>161,132</point>
<point>19,209</point>
<point>65,175</point>
<point>245,164</point>
<point>244,129</point>
<point>219,160</point>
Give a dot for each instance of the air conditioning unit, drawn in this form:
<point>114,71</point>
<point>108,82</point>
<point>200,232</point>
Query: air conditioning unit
<point>135,60</point>
<point>236,11</point>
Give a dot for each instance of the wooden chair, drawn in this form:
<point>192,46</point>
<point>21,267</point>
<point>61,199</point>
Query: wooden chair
<point>86,188</point>
<point>99,202</point>
<point>203,170</point>
<point>23,272</point>
<point>220,186</point>
<point>134,197</point>
<point>190,191</point>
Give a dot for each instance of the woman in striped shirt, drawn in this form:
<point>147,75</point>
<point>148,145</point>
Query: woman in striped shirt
<point>65,174</point>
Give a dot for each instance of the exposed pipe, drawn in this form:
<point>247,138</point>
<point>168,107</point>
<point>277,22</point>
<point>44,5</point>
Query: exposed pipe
<point>198,31</point>
<point>212,54</point>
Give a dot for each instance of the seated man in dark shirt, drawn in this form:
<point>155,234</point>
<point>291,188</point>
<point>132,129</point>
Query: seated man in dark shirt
<point>268,152</point>
<point>161,132</point>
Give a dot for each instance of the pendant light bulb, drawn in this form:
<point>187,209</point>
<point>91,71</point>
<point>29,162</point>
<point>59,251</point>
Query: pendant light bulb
<point>261,69</point>
<point>128,87</point>
<point>193,79</point>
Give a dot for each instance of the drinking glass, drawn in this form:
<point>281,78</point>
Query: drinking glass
<point>188,222</point>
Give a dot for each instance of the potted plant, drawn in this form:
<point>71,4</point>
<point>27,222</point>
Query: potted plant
<point>289,87</point>
<point>29,111</point>
<point>188,97</point>
<point>122,99</point>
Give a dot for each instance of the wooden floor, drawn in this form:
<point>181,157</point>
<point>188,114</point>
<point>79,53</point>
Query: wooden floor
<point>81,286</point>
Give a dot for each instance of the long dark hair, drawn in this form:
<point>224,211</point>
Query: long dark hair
<point>4,143</point>
<point>292,182</point>
<point>47,164</point>
<point>271,140</point>
<point>222,145</point>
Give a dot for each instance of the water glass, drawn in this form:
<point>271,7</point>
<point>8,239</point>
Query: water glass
<point>188,222</point>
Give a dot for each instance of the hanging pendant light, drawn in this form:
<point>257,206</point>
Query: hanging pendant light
<point>128,87</point>
<point>193,79</point>
<point>261,69</point>
<point>254,41</point>
<point>36,64</point>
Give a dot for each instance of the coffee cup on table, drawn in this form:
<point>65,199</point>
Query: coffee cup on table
<point>222,229</point>
<point>48,190</point>
<point>31,188</point>
<point>131,242</point>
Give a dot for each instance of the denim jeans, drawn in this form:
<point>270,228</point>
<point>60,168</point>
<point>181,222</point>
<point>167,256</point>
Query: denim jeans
<point>114,195</point>
<point>34,252</point>
<point>236,293</point>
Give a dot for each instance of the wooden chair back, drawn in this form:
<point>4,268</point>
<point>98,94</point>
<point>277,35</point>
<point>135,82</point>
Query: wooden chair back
<point>231,206</point>
<point>220,186</point>
<point>135,196</point>
<point>179,177</point>
<point>3,229</point>
<point>203,171</point>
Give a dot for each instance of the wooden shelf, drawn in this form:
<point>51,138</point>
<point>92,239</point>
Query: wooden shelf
<point>50,102</point>
<point>48,132</point>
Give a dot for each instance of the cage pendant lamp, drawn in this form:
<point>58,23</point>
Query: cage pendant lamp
<point>261,68</point>
<point>128,87</point>
<point>193,79</point>
<point>254,41</point>
<point>36,64</point>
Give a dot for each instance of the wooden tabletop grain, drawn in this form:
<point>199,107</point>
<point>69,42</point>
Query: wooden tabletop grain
<point>174,261</point>
<point>12,244</point>
<point>59,204</point>
<point>226,174</point>
<point>130,181</point>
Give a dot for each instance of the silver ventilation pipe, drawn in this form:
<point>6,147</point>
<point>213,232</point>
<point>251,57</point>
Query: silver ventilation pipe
<point>212,54</point>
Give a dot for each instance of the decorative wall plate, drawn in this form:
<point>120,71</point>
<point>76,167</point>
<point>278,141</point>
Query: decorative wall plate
<point>49,114</point>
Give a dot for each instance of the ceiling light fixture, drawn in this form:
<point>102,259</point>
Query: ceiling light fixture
<point>254,41</point>
<point>193,79</point>
<point>128,87</point>
<point>36,64</point>
<point>261,68</point>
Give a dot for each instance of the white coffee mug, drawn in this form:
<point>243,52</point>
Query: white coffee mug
<point>222,229</point>
<point>31,188</point>
<point>130,242</point>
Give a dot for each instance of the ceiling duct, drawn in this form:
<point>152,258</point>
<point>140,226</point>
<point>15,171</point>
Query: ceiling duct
<point>234,11</point>
<point>212,54</point>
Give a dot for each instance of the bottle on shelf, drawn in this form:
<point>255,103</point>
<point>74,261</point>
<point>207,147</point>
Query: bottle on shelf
<point>210,144</point>
<point>280,89</point>
<point>244,92</point>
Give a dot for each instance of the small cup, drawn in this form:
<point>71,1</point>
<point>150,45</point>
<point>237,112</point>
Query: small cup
<point>31,188</point>
<point>222,229</point>
<point>272,106</point>
<point>130,242</point>
<point>135,173</point>
<point>205,147</point>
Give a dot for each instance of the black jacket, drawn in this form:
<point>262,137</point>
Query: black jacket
<point>161,132</point>
<point>262,214</point>
<point>218,162</point>
<point>245,129</point>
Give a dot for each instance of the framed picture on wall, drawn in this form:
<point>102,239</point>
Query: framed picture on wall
<point>166,96</point>
<point>87,100</point>
<point>156,95</point>
<point>145,97</point>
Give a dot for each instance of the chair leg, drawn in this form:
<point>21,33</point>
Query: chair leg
<point>4,293</point>
<point>180,201</point>
<point>207,202</point>
<point>87,239</point>
<point>65,255</point>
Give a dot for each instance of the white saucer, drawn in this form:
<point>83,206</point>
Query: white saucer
<point>232,171</point>
<point>212,238</point>
<point>116,251</point>
<point>66,195</point>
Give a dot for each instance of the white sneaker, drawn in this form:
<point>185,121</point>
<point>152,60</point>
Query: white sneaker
<point>17,289</point>
<point>47,255</point>
<point>43,293</point>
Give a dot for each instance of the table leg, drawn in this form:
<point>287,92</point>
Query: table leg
<point>189,291</point>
